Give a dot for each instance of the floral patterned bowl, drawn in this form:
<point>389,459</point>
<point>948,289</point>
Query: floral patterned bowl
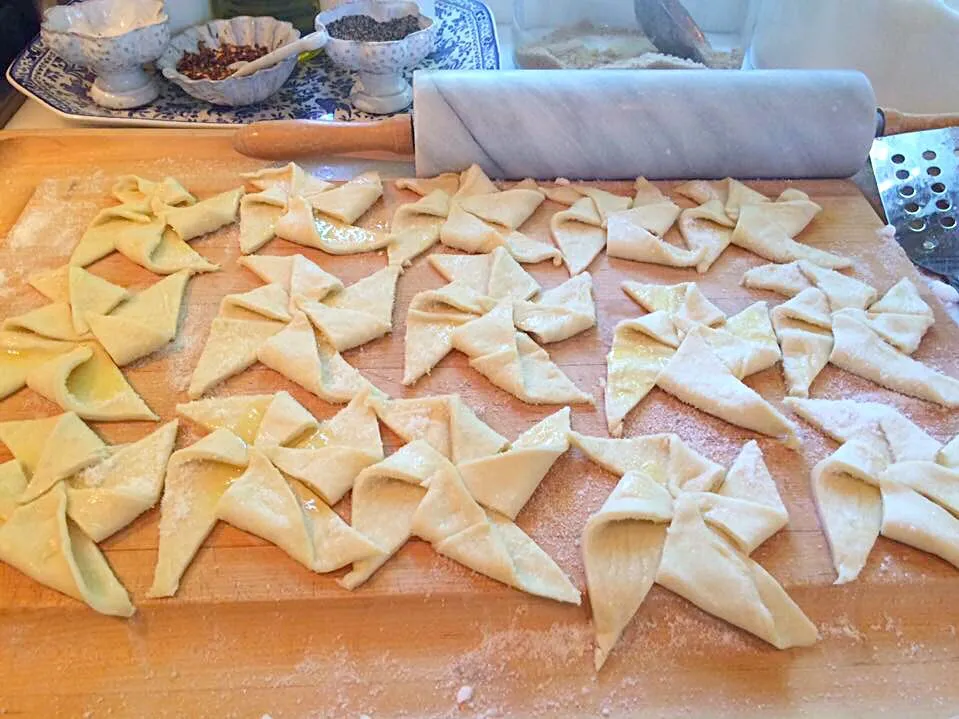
<point>381,87</point>
<point>114,38</point>
<point>232,91</point>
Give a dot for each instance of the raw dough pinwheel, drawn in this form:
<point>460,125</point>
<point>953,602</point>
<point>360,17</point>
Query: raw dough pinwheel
<point>512,361</point>
<point>444,422</point>
<point>643,348</point>
<point>39,540</point>
<point>416,227</point>
<point>804,329</point>
<point>300,225</point>
<point>504,482</point>
<point>495,274</point>
<point>299,276</point>
<point>260,420</point>
<point>219,477</point>
<point>674,520</point>
<point>448,182</point>
<point>706,229</point>
<point>431,318</point>
<point>357,314</point>
<point>418,492</point>
<point>637,233</point>
<point>348,202</point>
<point>580,231</point>
<point>888,477</point>
<point>768,229</point>
<point>20,352</point>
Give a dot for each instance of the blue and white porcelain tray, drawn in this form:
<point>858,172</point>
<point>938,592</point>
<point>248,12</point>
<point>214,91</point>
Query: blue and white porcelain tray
<point>316,90</point>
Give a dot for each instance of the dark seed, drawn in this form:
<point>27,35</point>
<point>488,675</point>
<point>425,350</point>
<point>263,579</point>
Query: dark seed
<point>213,63</point>
<point>363,28</point>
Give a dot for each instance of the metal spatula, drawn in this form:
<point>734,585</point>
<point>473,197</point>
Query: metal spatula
<point>918,178</point>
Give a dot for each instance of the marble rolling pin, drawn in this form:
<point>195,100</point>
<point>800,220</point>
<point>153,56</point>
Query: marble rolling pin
<point>605,124</point>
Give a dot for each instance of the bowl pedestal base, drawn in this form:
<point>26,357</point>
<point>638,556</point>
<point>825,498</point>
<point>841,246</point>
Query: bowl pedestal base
<point>124,90</point>
<point>381,94</point>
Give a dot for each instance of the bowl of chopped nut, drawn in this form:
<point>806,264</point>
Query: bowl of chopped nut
<point>202,60</point>
<point>379,40</point>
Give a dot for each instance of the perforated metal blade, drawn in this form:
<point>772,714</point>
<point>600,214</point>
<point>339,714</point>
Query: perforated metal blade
<point>918,178</point>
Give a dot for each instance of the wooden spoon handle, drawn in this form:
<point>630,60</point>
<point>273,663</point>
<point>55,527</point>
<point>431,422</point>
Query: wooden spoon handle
<point>290,139</point>
<point>897,122</point>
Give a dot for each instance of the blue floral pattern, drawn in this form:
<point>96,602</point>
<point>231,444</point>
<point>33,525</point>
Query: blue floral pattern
<point>317,90</point>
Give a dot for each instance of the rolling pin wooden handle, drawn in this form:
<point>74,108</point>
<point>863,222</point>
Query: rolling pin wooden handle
<point>285,139</point>
<point>897,122</point>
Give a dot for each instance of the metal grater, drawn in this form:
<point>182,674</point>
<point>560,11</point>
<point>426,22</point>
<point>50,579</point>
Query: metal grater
<point>918,178</point>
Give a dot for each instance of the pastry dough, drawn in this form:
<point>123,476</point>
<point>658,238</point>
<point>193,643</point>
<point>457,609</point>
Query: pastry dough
<point>430,321</point>
<point>259,213</point>
<point>496,274</point>
<point>560,312</point>
<point>244,324</point>
<point>291,179</point>
<point>468,233</point>
<point>911,518</point>
<point>328,459</point>
<point>708,230</point>
<point>89,293</point>
<point>38,540</point>
<point>791,279</point>
<point>19,353</point>
<point>858,349</point>
<point>351,200</point>
<point>901,316</point>
<point>205,216</point>
<point>684,302</point>
<point>51,450</point>
<point>512,361</point>
<point>448,182</point>
<point>311,360</point>
<point>416,227</point>
<point>418,492</point>
<point>702,566</point>
<point>444,422</point>
<point>100,238</point>
<point>261,420</point>
<point>580,233</point>
<point>627,546</point>
<point>85,380</point>
<point>53,321</point>
<point>804,328</point>
<point>144,323</point>
<point>697,376</point>
<point>133,189</point>
<point>106,497</point>
<point>357,314</point>
<point>161,250</point>
<point>505,482</point>
<point>738,196</point>
<point>628,238</point>
<point>768,230</point>
<point>703,191</point>
<point>301,226</point>
<point>507,208</point>
<point>297,275</point>
<point>197,477</point>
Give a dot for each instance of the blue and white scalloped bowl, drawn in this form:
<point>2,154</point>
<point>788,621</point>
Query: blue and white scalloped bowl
<point>317,90</point>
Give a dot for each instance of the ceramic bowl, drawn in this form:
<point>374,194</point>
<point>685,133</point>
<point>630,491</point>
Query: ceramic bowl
<point>233,91</point>
<point>114,38</point>
<point>380,87</point>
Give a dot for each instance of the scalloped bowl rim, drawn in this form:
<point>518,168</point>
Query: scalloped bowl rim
<point>336,14</point>
<point>160,18</point>
<point>171,73</point>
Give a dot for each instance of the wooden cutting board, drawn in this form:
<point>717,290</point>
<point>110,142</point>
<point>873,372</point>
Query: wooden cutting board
<point>253,633</point>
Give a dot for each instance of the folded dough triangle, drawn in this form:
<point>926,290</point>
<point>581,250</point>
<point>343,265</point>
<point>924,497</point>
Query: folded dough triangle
<point>560,312</point>
<point>697,376</point>
<point>737,195</point>
<point>701,566</point>
<point>791,279</point>
<point>357,314</point>
<point>310,360</point>
<point>351,200</point>
<point>911,518</point>
<point>230,348</point>
<point>203,217</point>
<point>431,318</point>
<point>495,274</point>
<point>261,420</point>
<point>444,422</point>
<point>290,179</point>
<point>512,361</point>
<point>330,457</point>
<point>622,546</point>
<point>637,233</point>
<point>50,450</point>
<point>144,323</point>
<point>53,321</point>
<point>197,476</point>
<point>683,301</point>
<point>448,182</point>
<point>505,482</point>
<point>12,483</point>
<point>85,380</point>
<point>100,237</point>
<point>268,302</point>
<point>301,226</point>
<point>135,189</point>
<point>703,191</point>
<point>22,351</point>
<point>579,233</point>
<point>804,328</point>
<point>108,496</point>
<point>507,208</point>
<point>38,540</point>
<point>297,275</point>
<point>901,316</point>
<point>89,293</point>
<point>708,230</point>
<point>416,227</point>
<point>858,349</point>
<point>161,250</point>
<point>768,230</point>
<point>259,213</point>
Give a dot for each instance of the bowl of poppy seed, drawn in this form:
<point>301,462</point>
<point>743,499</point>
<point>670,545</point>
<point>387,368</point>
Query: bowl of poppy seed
<point>380,41</point>
<point>198,60</point>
